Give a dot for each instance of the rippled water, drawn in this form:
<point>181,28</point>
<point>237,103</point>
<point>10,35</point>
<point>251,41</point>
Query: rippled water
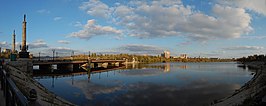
<point>150,84</point>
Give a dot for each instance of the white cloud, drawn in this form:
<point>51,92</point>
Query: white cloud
<point>96,8</point>
<point>38,44</point>
<point>57,18</point>
<point>63,41</point>
<point>4,44</point>
<point>237,48</point>
<point>150,19</point>
<point>258,6</point>
<point>42,11</point>
<point>77,24</point>
<point>92,29</point>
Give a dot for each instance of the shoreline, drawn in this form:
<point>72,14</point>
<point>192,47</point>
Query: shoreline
<point>252,93</point>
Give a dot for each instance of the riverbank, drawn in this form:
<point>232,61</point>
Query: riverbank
<point>252,93</point>
<point>25,82</point>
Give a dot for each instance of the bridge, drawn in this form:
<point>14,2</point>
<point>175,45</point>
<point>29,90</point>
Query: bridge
<point>70,64</point>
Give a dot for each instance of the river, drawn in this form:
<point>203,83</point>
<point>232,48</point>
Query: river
<point>175,84</point>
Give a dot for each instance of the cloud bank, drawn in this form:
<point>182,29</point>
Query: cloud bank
<point>37,44</point>
<point>153,19</point>
<point>4,44</point>
<point>244,48</point>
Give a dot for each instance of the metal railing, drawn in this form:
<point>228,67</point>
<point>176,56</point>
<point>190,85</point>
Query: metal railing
<point>13,96</point>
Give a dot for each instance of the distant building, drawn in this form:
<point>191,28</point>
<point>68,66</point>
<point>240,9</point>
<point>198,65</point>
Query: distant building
<point>183,56</point>
<point>6,50</point>
<point>166,54</point>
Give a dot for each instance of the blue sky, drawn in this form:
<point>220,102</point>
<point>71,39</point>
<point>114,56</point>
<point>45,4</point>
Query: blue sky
<point>206,28</point>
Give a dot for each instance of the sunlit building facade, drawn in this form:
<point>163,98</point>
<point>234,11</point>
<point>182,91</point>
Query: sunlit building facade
<point>183,56</point>
<point>166,54</point>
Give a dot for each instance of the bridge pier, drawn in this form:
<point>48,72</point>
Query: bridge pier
<point>120,64</point>
<point>76,66</point>
<point>68,67</point>
<point>95,65</point>
<point>45,67</point>
<point>110,65</point>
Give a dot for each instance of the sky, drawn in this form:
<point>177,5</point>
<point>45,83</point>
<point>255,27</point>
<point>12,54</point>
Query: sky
<point>205,28</point>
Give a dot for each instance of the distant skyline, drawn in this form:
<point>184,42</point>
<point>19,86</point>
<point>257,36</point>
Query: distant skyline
<point>206,28</point>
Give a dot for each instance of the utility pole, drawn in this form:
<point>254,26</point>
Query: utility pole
<point>56,54</point>
<point>73,54</point>
<point>39,56</point>
<point>53,53</point>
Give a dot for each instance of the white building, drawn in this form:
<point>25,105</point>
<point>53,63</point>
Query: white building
<point>183,56</point>
<point>166,54</point>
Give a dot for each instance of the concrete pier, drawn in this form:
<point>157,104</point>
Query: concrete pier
<point>45,67</point>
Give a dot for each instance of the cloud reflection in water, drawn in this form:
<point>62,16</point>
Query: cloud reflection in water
<point>197,93</point>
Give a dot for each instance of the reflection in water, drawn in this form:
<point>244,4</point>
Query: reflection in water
<point>91,89</point>
<point>168,95</point>
<point>183,67</point>
<point>166,67</point>
<point>150,84</point>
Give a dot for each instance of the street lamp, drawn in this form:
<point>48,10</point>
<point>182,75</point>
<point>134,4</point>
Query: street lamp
<point>53,53</point>
<point>39,56</point>
<point>73,55</point>
<point>56,54</point>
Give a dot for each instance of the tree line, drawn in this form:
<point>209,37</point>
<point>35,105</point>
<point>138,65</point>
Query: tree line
<point>144,58</point>
<point>252,58</point>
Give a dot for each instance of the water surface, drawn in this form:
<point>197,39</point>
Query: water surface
<point>150,84</point>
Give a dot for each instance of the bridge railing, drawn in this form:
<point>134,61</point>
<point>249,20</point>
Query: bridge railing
<point>57,59</point>
<point>13,96</point>
<point>50,59</point>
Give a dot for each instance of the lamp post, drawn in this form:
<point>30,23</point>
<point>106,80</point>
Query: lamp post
<point>53,53</point>
<point>72,55</point>
<point>56,54</point>
<point>39,56</point>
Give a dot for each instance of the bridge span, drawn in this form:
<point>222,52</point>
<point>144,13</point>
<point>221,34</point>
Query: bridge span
<point>74,64</point>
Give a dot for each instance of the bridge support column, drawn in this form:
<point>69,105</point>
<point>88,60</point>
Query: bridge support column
<point>95,65</point>
<point>110,65</point>
<point>68,67</point>
<point>76,66</point>
<point>45,67</point>
<point>120,64</point>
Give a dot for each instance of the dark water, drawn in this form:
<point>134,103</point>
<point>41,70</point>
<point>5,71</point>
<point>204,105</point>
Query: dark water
<point>153,84</point>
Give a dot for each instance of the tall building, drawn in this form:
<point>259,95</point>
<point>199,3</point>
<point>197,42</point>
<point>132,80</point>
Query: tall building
<point>166,54</point>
